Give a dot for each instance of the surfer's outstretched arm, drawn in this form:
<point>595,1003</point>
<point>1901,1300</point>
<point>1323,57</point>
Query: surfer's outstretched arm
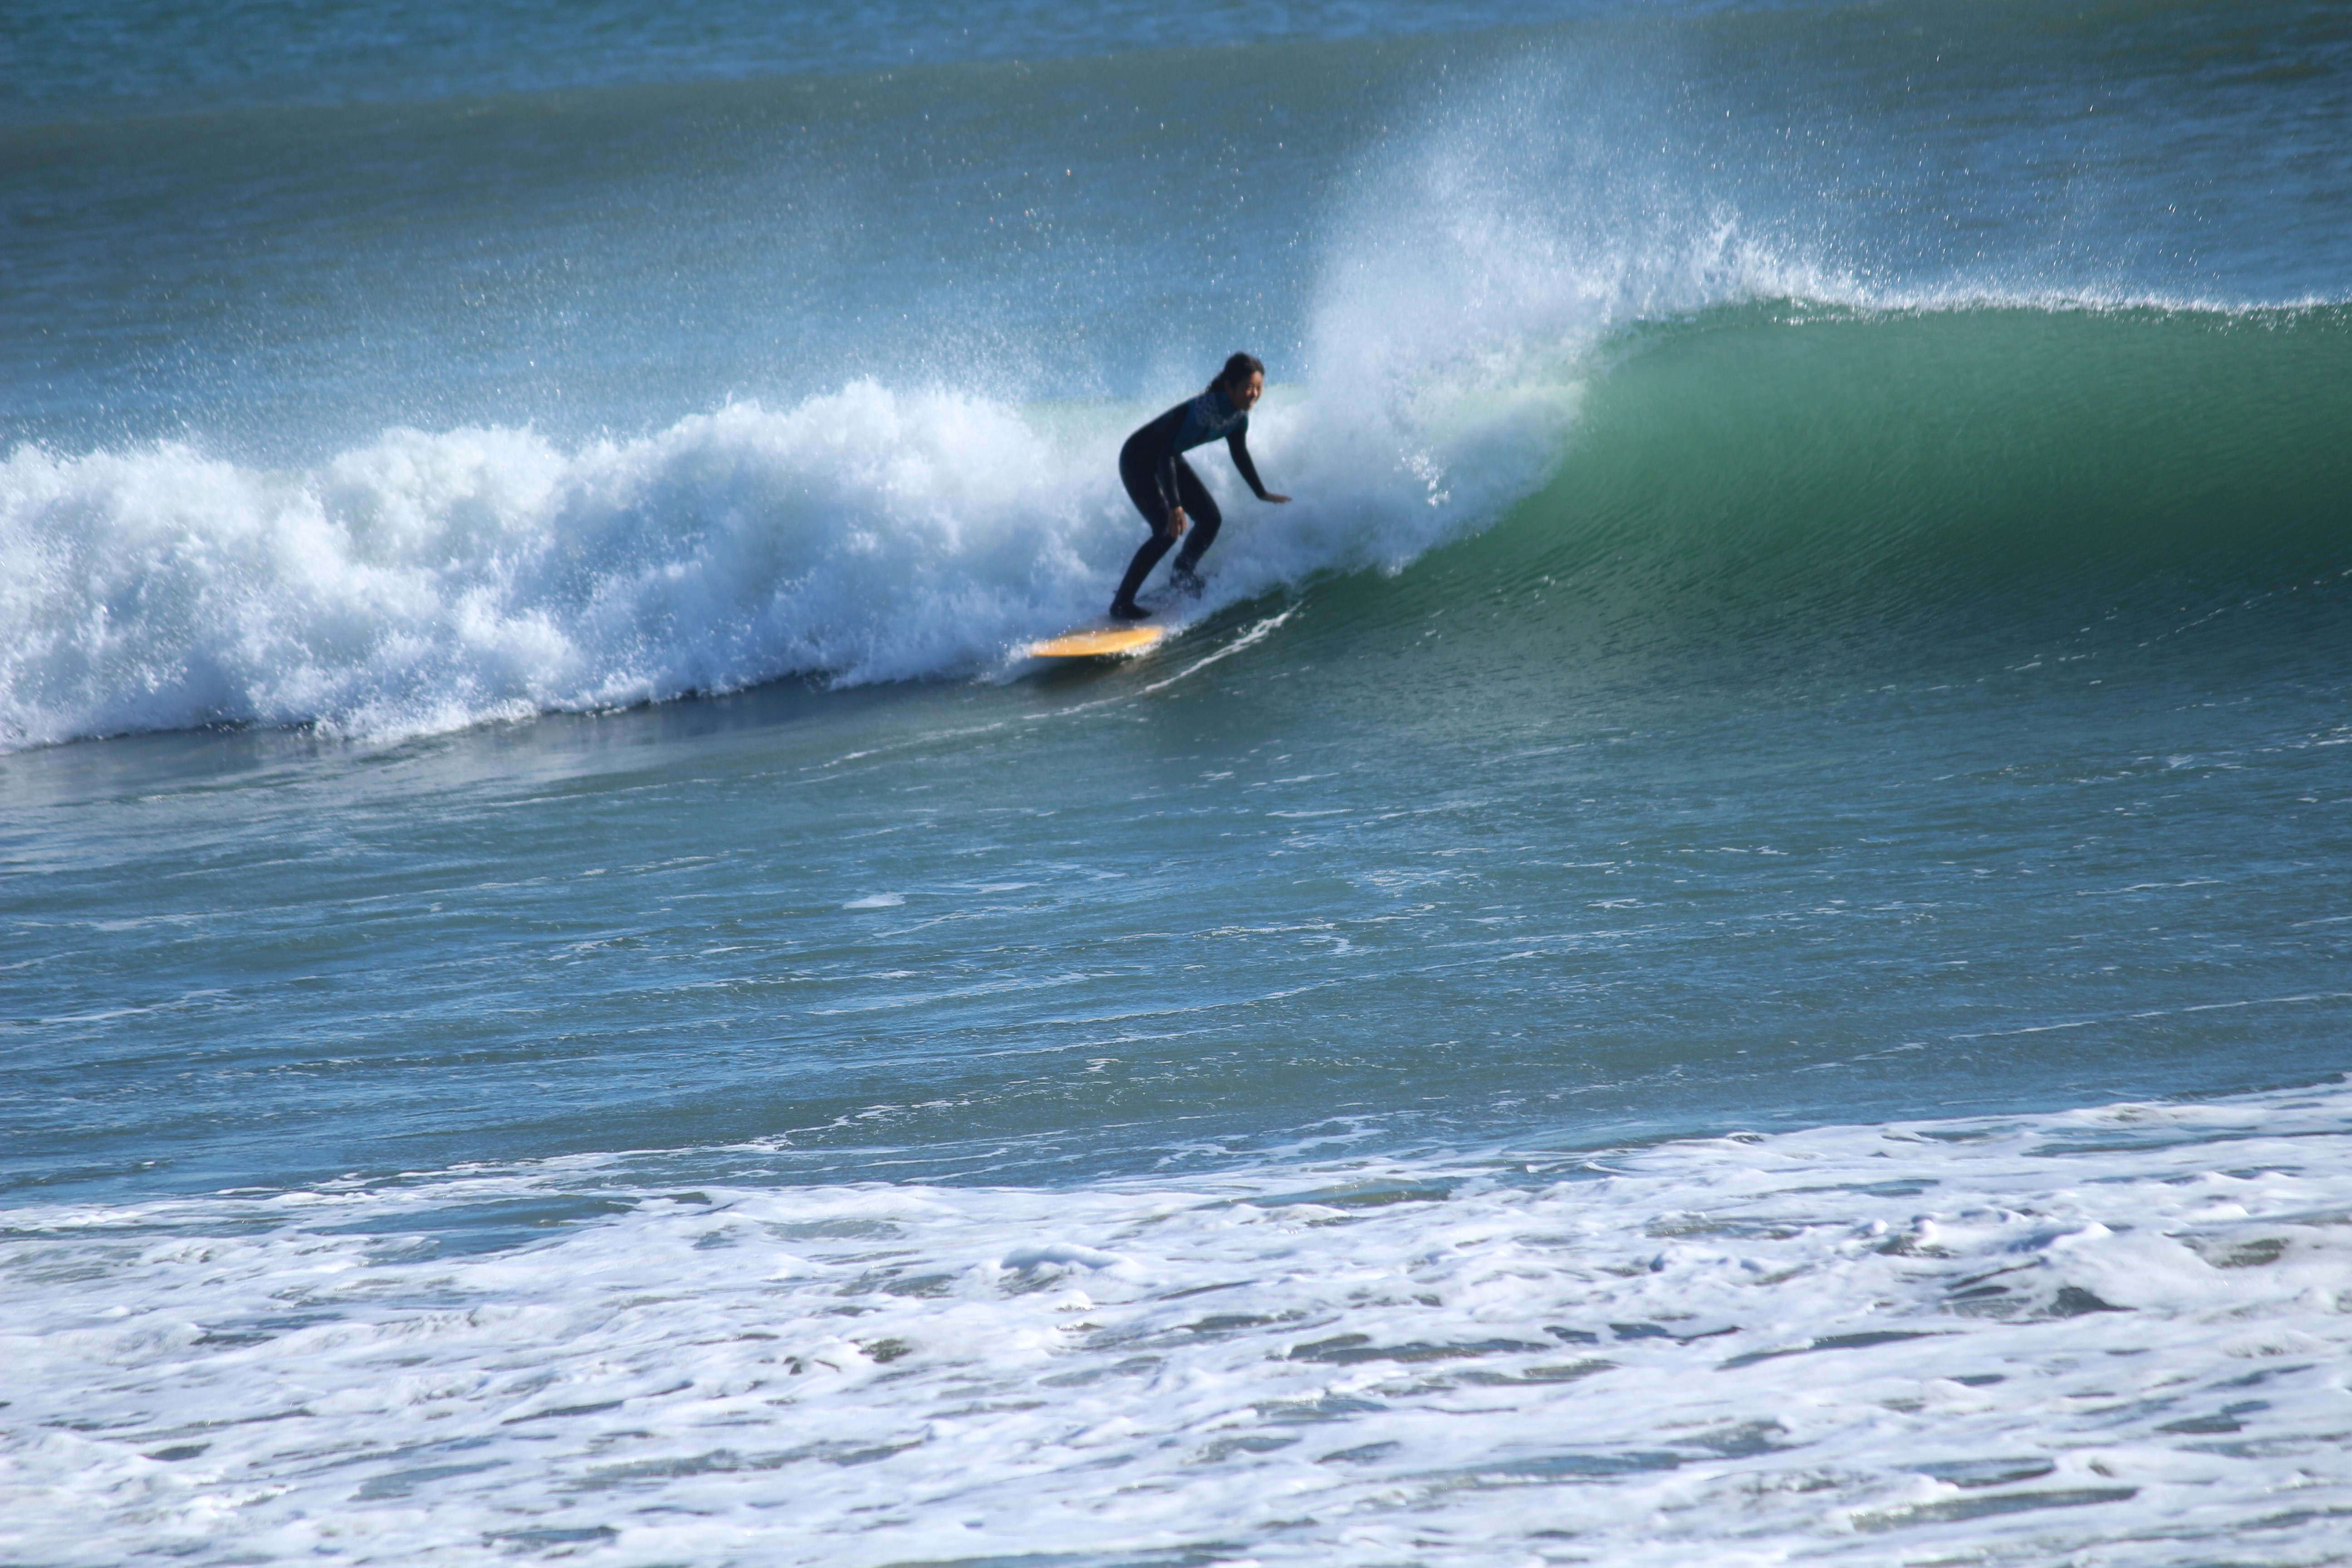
<point>1238,444</point>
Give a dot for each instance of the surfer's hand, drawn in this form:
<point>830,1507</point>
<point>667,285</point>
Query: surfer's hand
<point>1175,522</point>
<point>1278,501</point>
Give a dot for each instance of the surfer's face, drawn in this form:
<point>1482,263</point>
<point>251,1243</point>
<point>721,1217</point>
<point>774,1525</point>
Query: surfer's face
<point>1245,394</point>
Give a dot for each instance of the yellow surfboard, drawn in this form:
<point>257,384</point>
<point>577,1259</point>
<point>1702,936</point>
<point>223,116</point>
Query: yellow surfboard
<point>1100,642</point>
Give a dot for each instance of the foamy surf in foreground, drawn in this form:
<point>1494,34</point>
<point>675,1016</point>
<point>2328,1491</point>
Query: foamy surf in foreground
<point>2119,1332</point>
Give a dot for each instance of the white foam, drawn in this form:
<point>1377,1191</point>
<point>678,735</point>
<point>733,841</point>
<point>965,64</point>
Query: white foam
<point>2119,1333</point>
<point>430,581</point>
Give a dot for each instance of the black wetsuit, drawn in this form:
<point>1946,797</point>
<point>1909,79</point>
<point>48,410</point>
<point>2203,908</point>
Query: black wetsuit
<point>1158,479</point>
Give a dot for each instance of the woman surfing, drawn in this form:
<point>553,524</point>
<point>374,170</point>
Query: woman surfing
<point>1165,489</point>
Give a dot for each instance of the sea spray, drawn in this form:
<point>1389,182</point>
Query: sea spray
<point>430,580</point>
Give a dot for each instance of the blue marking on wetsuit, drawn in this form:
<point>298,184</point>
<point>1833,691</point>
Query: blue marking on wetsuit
<point>1211,416</point>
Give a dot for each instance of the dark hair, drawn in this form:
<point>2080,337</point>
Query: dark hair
<point>1238,369</point>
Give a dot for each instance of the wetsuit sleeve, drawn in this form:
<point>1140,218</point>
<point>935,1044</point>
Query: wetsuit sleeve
<point>1239,448</point>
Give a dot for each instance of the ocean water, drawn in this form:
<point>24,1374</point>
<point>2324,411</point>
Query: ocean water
<point>1728,944</point>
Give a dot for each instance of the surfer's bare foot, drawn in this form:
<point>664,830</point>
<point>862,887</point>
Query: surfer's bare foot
<point>1129,612</point>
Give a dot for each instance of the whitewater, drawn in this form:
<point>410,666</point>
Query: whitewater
<point>1924,1337</point>
<point>424,582</point>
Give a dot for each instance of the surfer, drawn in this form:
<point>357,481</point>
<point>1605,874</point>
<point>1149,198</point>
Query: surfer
<point>1165,489</point>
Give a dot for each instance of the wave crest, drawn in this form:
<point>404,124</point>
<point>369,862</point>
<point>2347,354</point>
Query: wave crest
<point>428,581</point>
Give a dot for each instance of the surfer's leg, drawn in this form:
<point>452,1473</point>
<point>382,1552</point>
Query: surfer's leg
<point>1158,545</point>
<point>1202,508</point>
<point>1146,496</point>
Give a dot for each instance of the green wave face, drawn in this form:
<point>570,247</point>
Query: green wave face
<point>1778,486</point>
